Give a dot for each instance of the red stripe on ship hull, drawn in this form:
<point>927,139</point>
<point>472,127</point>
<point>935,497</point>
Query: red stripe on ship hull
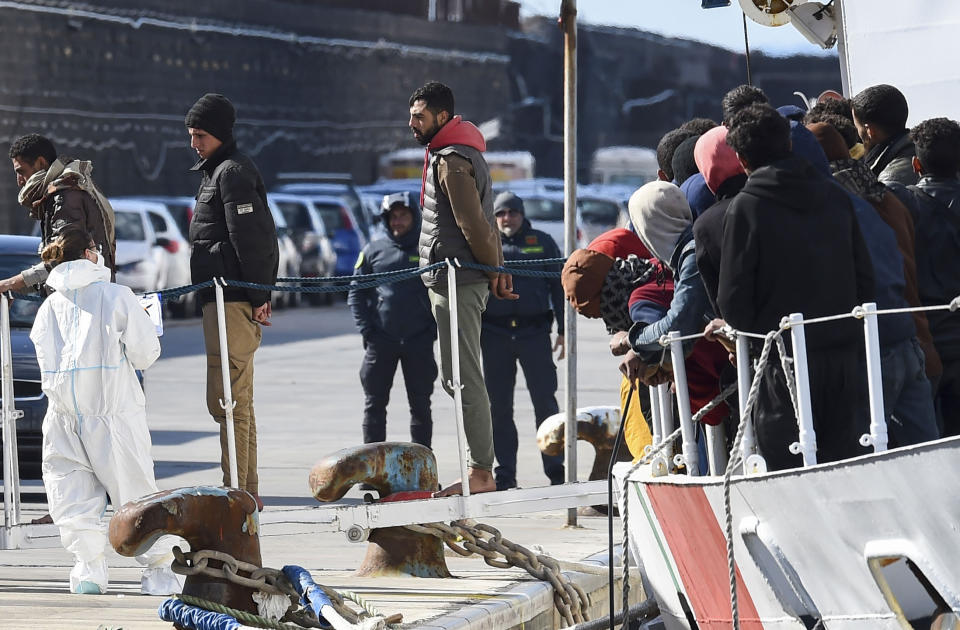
<point>699,549</point>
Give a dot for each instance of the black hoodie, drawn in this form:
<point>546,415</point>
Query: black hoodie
<point>791,244</point>
<point>396,312</point>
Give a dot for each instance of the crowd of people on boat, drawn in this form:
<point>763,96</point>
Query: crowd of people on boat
<point>781,211</point>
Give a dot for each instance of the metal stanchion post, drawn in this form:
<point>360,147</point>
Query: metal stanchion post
<point>655,421</point>
<point>11,472</point>
<point>227,402</point>
<point>749,441</point>
<point>807,446</point>
<point>690,456</point>
<point>753,462</point>
<point>716,448</point>
<point>878,419</point>
<point>666,417</point>
<point>455,384</point>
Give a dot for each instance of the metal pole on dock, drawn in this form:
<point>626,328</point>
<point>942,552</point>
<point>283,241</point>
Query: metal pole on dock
<point>455,383</point>
<point>227,403</point>
<point>878,419</point>
<point>11,463</point>
<point>568,22</point>
<point>807,446</point>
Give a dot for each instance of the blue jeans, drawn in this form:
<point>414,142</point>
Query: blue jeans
<point>907,397</point>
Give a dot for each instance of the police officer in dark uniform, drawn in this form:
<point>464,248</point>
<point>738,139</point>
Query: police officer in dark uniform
<point>396,325</point>
<point>520,331</point>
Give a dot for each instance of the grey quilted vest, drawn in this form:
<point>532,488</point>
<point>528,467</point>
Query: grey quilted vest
<point>440,236</point>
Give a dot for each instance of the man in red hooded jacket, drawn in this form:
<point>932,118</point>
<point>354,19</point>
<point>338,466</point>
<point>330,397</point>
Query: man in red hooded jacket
<point>458,223</point>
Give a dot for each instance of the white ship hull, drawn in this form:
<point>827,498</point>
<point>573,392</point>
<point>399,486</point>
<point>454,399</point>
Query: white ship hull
<point>811,545</point>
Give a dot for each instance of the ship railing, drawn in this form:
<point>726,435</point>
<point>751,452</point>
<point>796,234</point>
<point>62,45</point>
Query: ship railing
<point>663,407</point>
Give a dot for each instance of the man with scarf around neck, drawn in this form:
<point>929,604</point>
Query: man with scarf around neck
<point>232,236</point>
<point>396,325</point>
<point>60,193</point>
<point>519,331</point>
<point>788,227</point>
<point>458,223</point>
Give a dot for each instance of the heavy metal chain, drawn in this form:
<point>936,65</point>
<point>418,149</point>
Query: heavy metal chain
<point>466,538</point>
<point>270,581</point>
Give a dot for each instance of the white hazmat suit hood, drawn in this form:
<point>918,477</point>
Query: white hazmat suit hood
<point>90,337</point>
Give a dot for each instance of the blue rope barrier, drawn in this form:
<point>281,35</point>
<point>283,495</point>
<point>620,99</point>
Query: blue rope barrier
<point>341,284</point>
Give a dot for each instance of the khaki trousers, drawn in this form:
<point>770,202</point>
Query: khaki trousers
<point>243,339</point>
<point>477,423</point>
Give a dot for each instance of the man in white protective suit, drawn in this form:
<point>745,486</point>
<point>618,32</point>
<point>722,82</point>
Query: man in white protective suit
<point>90,337</point>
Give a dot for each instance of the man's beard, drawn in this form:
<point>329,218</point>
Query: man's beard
<point>509,231</point>
<point>425,138</point>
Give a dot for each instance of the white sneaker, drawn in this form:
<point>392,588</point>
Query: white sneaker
<point>160,581</point>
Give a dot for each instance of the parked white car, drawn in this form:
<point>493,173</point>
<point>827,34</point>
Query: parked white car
<point>142,262</point>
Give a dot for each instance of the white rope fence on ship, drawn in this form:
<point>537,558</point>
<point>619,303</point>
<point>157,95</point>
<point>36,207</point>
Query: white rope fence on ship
<point>736,455</point>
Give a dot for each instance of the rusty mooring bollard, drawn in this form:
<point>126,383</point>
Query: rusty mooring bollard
<point>209,518</point>
<point>388,467</point>
<point>596,425</point>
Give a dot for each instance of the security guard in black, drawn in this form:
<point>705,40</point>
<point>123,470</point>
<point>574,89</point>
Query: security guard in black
<point>396,325</point>
<point>519,331</point>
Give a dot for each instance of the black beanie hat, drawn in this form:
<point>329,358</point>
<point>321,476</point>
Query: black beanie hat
<point>214,114</point>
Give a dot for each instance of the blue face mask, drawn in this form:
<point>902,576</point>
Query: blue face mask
<point>100,262</point>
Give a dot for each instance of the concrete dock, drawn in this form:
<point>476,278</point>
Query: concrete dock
<point>308,402</point>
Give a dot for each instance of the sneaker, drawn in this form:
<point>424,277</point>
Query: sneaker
<point>160,581</point>
<point>88,588</point>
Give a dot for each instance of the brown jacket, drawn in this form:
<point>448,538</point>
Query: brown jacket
<point>73,208</point>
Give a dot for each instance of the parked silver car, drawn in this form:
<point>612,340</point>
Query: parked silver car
<point>308,232</point>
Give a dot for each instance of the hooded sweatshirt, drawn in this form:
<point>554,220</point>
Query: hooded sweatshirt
<point>662,218</point>
<point>90,336</point>
<point>659,213</point>
<point>724,175</point>
<point>787,230</point>
<point>457,205</point>
<point>394,312</point>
